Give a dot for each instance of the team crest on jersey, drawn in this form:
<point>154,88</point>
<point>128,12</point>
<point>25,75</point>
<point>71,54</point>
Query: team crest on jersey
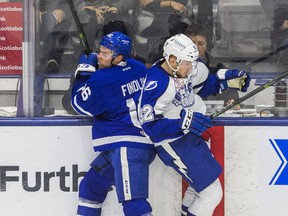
<point>179,83</point>
<point>185,96</point>
<point>150,85</point>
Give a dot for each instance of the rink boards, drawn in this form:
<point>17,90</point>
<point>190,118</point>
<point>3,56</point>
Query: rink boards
<point>41,167</point>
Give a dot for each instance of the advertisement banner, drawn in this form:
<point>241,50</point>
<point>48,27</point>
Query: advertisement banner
<point>41,168</point>
<point>273,171</point>
<point>256,174</point>
<point>11,31</point>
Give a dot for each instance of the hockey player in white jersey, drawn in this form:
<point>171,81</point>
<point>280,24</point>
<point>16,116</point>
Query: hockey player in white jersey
<point>172,116</point>
<point>110,95</point>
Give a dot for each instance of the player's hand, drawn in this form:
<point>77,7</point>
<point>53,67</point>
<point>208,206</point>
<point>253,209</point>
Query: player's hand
<point>195,122</point>
<point>235,79</point>
<point>87,64</point>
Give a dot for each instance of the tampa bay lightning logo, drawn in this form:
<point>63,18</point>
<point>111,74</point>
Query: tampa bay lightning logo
<point>185,96</point>
<point>281,175</point>
<point>150,85</point>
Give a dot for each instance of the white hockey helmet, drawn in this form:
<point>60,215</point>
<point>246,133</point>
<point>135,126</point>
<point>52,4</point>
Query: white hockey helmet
<point>182,47</point>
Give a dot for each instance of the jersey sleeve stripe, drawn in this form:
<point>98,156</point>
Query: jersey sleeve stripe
<point>124,138</point>
<point>78,108</point>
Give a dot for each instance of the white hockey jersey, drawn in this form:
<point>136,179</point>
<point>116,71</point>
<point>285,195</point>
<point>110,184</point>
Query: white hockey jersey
<point>164,96</point>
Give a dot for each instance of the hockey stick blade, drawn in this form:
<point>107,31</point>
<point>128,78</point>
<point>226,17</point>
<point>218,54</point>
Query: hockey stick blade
<point>250,94</point>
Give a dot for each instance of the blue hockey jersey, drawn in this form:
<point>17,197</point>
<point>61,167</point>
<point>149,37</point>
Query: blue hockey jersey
<point>111,96</point>
<point>164,97</point>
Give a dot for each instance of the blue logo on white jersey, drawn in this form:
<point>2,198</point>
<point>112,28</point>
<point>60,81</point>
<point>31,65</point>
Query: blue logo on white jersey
<point>150,85</point>
<point>281,175</point>
<point>185,96</point>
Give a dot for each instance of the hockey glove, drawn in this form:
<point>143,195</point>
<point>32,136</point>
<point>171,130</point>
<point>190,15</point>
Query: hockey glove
<point>235,79</point>
<point>87,64</point>
<point>195,122</point>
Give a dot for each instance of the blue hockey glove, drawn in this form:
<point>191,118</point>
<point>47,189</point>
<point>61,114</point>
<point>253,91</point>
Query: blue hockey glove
<point>195,122</point>
<point>235,79</point>
<point>90,59</point>
<point>87,64</point>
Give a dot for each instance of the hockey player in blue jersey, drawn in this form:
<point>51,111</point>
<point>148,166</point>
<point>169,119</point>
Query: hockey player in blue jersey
<point>171,113</point>
<point>110,94</point>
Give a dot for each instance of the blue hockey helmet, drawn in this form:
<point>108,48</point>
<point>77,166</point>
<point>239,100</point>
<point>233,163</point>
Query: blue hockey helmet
<point>118,42</point>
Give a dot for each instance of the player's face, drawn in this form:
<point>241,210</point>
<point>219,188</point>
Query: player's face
<point>105,57</point>
<point>201,44</point>
<point>185,68</point>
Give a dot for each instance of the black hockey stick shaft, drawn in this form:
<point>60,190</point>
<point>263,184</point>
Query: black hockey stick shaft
<point>268,55</point>
<point>81,32</point>
<point>250,94</point>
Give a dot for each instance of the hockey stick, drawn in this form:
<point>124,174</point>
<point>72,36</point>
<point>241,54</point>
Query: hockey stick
<point>250,94</point>
<point>263,58</point>
<point>81,32</point>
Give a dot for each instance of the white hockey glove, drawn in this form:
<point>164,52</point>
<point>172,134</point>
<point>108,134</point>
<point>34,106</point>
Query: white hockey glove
<point>235,79</point>
<point>195,122</point>
<point>87,64</point>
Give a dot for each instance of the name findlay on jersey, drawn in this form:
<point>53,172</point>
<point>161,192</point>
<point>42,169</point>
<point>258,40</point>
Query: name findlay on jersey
<point>133,86</point>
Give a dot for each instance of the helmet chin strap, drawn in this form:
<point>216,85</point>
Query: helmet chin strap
<point>174,72</point>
